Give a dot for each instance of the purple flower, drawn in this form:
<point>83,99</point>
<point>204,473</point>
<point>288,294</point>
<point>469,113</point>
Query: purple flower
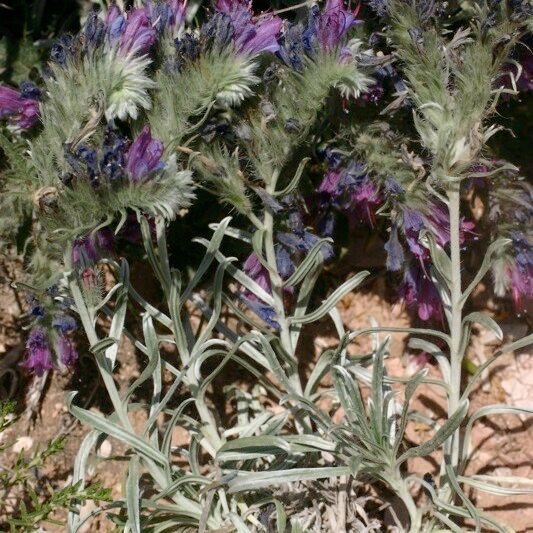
<point>113,158</point>
<point>61,49</point>
<point>166,14</point>
<point>22,109</point>
<point>39,357</point>
<point>520,270</point>
<point>437,221</point>
<point>333,23</point>
<point>115,23</point>
<point>28,91</point>
<point>256,271</point>
<point>331,181</point>
<point>178,10</point>
<point>248,35</point>
<point>374,94</point>
<point>365,198</point>
<point>66,351</point>
<point>144,156</point>
<point>413,224</point>
<point>418,289</point>
<point>139,35</point>
<point>303,242</point>
<point>92,247</point>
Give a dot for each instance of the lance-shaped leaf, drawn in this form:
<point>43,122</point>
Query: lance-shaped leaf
<point>440,436</point>
<point>332,300</point>
<point>105,425</point>
<point>259,480</point>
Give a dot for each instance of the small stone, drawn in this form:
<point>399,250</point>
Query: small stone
<point>105,449</point>
<point>23,443</point>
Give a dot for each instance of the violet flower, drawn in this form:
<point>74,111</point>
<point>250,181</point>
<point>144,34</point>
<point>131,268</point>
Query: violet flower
<point>333,23</point>
<point>144,156</point>
<point>249,35</point>
<point>303,241</point>
<point>92,247</point>
<point>21,107</point>
<point>167,14</point>
<point>437,221</point>
<point>364,200</point>
<point>94,31</point>
<point>330,182</point>
<point>418,289</point>
<point>38,358</point>
<point>520,271</point>
<point>263,311</point>
<point>66,351</point>
<point>255,270</point>
<point>284,262</point>
<point>139,35</point>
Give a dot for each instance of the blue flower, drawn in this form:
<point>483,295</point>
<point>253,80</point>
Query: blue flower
<point>263,311</point>
<point>64,323</point>
<point>395,255</point>
<point>94,31</point>
<point>284,262</point>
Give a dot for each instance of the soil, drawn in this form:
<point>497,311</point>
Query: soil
<point>502,444</point>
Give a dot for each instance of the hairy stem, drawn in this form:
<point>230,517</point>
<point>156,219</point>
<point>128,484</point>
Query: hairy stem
<point>455,321</point>
<point>277,287</point>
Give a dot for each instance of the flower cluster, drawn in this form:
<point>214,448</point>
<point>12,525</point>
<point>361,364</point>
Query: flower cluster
<point>49,343</point>
<point>324,30</point>
<point>114,160</point>
<point>348,188</point>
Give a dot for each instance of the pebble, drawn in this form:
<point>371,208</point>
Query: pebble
<point>22,443</point>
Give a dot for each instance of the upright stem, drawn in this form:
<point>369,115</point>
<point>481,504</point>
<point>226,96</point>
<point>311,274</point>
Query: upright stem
<point>277,288</point>
<point>456,318</point>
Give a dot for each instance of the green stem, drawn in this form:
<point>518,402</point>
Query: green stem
<point>277,289</point>
<point>401,488</point>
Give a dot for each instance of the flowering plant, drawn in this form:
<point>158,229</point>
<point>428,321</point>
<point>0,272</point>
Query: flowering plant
<point>140,113</point>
